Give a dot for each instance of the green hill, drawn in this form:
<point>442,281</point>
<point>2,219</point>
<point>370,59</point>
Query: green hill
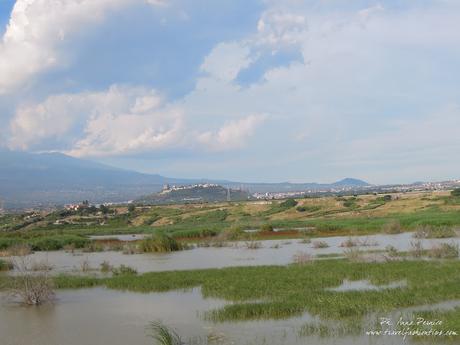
<point>194,193</point>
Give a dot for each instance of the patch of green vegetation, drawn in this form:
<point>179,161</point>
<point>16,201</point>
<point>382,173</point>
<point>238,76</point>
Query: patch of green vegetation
<point>278,207</point>
<point>351,203</point>
<point>328,256</point>
<point>44,243</point>
<point>286,291</point>
<point>455,193</point>
<point>449,322</point>
<point>7,242</point>
<point>203,233</point>
<point>199,220</point>
<point>392,227</point>
<point>58,242</point>
<point>123,270</point>
<point>160,243</point>
<point>308,208</point>
<point>164,335</point>
<point>321,328</point>
<point>266,228</point>
<point>207,217</point>
<point>233,233</point>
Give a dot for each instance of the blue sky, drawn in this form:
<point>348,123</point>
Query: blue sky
<point>262,90</point>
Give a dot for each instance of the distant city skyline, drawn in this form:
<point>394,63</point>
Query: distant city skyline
<point>251,91</point>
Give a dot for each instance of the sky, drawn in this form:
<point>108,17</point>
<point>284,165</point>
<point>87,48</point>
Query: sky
<point>243,90</point>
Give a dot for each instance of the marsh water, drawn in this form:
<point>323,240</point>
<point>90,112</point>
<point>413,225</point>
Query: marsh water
<point>272,252</point>
<point>102,316</point>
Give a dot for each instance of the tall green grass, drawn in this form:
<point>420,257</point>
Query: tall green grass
<point>44,243</point>
<point>160,243</point>
<point>286,291</point>
<point>164,335</point>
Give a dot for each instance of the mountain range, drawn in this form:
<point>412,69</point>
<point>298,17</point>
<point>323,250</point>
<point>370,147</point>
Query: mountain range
<point>31,179</point>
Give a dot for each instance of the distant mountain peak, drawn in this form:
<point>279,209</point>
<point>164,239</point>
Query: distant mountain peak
<point>351,182</point>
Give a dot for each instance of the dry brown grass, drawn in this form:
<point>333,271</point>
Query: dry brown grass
<point>302,258</point>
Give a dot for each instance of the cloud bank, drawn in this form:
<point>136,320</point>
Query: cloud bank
<point>330,88</point>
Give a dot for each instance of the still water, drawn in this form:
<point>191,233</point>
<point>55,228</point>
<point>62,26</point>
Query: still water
<point>100,316</point>
<point>273,252</point>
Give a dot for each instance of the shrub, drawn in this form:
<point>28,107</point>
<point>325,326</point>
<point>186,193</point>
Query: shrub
<point>392,251</point>
<point>124,271</point>
<point>349,243</point>
<point>233,233</point>
<point>105,267</point>
<point>416,249</point>
<point>19,250</point>
<point>253,245</point>
<point>350,203</point>
<point>444,251</point>
<point>288,203</point>
<point>6,265</point>
<point>428,231</point>
<point>31,288</point>
<point>266,228</point>
<point>353,254</point>
<point>302,258</point>
<point>305,240</point>
<point>207,233</point>
<point>39,266</point>
<point>320,244</point>
<point>85,266</point>
<point>392,227</point>
<point>160,243</point>
<point>130,249</point>
<point>306,208</point>
<point>93,247</point>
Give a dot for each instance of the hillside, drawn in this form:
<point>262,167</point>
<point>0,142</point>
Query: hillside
<point>28,180</point>
<point>195,193</point>
<point>48,179</point>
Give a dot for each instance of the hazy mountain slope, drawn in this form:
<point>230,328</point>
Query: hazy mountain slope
<point>28,179</point>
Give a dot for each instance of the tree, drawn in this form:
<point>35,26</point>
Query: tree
<point>104,209</point>
<point>455,192</point>
<point>131,208</point>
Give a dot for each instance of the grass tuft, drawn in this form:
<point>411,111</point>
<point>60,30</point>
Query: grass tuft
<point>160,243</point>
<point>164,335</point>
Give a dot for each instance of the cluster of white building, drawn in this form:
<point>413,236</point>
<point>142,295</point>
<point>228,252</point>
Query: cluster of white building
<point>168,189</point>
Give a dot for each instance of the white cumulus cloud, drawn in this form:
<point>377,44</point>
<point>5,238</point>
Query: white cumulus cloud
<point>233,134</point>
<point>118,120</point>
<point>226,60</point>
<point>36,30</point>
<point>121,120</point>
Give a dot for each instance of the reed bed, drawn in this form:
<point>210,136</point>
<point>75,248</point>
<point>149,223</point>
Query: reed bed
<point>287,291</point>
<point>160,243</point>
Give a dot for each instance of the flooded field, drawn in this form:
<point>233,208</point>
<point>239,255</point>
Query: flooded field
<point>102,316</point>
<point>115,316</point>
<point>273,252</point>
